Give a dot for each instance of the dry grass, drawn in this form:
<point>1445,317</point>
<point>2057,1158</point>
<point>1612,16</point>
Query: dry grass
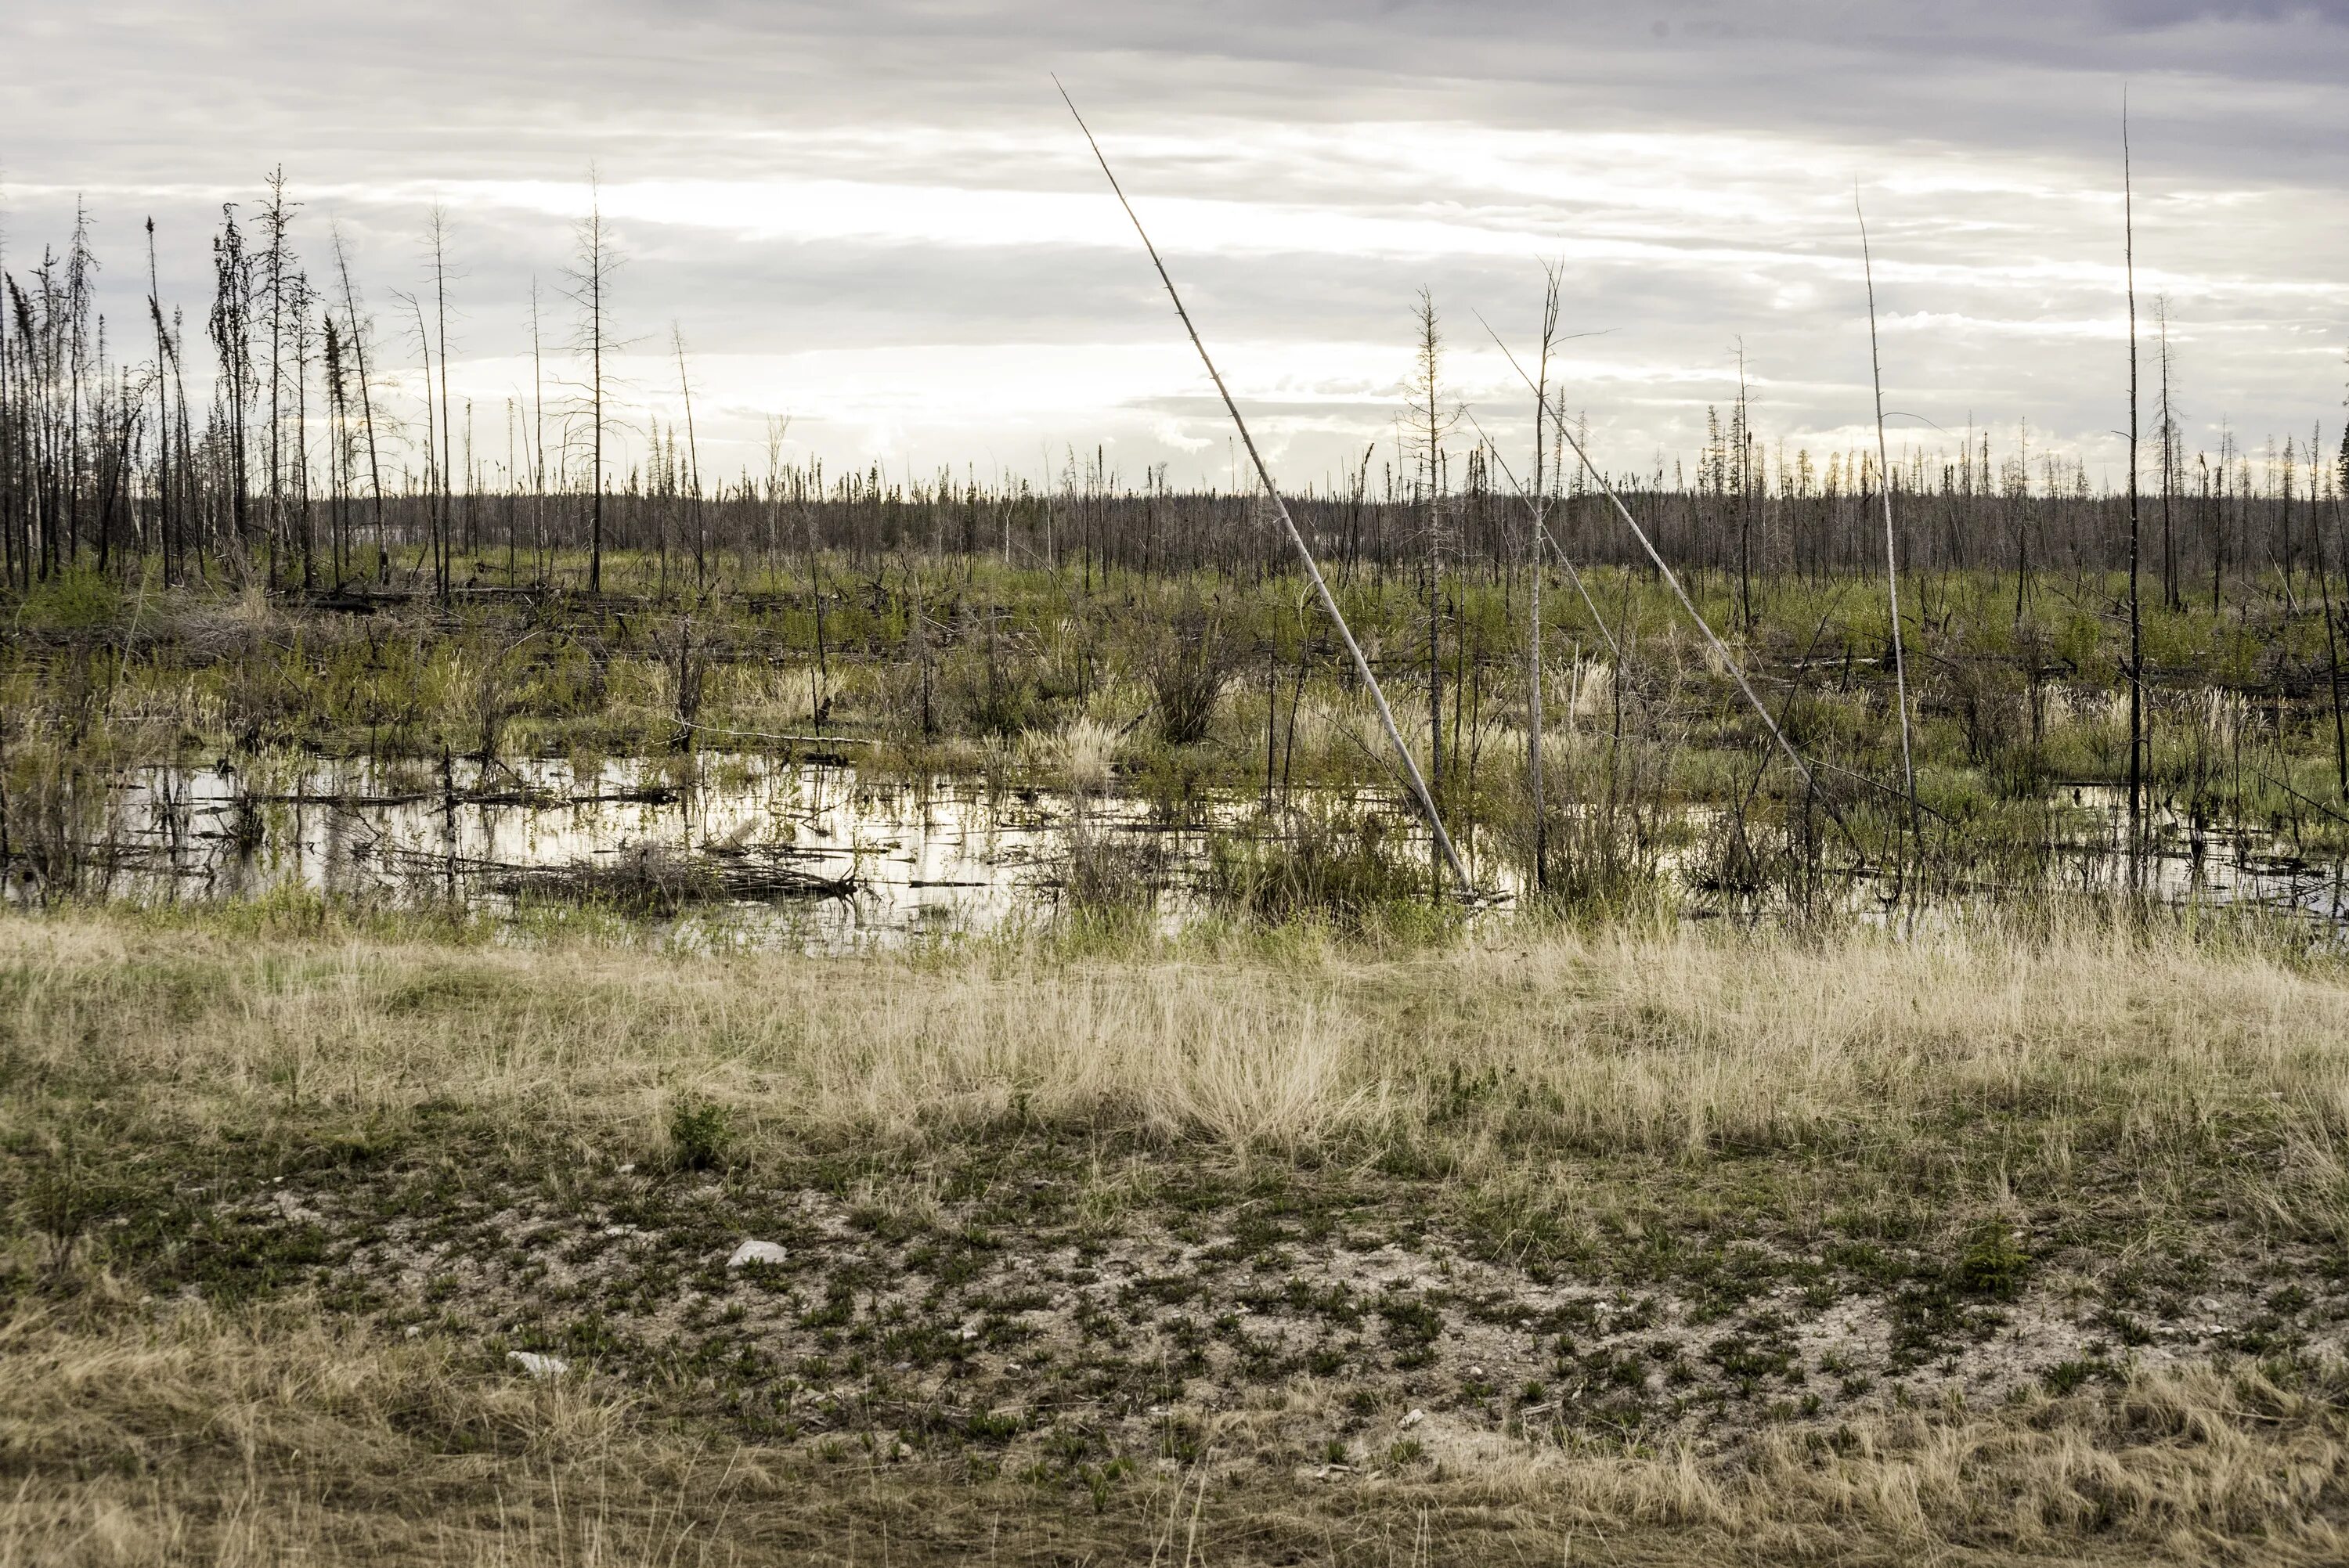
<point>2077,1080</point>
<point>1078,755</point>
<point>278,1437</point>
<point>1674,1042</point>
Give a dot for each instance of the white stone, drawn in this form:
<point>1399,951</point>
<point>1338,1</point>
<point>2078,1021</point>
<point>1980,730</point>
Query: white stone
<point>538,1366</point>
<point>1414,1419</point>
<point>756,1253</point>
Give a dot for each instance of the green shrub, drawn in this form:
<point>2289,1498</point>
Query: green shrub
<point>1993,1263</point>
<point>698,1134</point>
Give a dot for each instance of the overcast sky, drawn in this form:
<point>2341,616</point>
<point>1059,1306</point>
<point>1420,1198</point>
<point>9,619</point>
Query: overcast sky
<point>879,220</point>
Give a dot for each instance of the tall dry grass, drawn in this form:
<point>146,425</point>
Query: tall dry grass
<point>1674,1042</point>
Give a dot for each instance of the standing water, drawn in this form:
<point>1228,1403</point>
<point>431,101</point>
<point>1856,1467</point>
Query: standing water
<point>816,856</point>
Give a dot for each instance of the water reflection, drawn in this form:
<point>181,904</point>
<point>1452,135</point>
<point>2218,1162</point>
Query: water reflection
<point>836,861</point>
<point>2192,857</point>
<point>813,855</point>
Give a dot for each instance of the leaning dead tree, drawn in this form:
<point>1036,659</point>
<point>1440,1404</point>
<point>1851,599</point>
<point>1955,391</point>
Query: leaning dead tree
<point>1305,555</point>
<point>1672,580</point>
<point>2136,609</point>
<point>1892,551</point>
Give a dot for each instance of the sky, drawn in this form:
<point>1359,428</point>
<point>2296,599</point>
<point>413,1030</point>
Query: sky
<point>880,222</point>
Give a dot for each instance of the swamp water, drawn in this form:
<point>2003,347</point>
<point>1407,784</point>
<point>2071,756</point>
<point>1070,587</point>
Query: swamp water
<point>811,855</point>
<point>733,847</point>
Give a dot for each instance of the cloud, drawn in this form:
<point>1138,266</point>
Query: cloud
<point>878,216</point>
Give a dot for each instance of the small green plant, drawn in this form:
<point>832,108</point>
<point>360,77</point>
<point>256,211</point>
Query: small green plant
<point>1187,672</point>
<point>2067,1376</point>
<point>66,1196</point>
<point>698,1134</point>
<point>1993,1263</point>
<point>992,1427</point>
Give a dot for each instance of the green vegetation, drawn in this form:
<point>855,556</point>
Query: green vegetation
<point>1024,678</point>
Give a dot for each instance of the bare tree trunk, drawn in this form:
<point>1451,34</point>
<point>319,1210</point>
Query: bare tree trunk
<point>366,407</point>
<point>191,513</point>
<point>435,457</point>
<point>1296,536</point>
<point>2214,525</point>
<point>693,464</point>
<point>163,401</point>
<point>2136,611</point>
<point>595,263</point>
<point>821,702</point>
<point>1892,551</point>
<point>306,536</point>
<point>513,497</point>
<point>1741,431</point>
<point>338,445</point>
<point>1432,427</point>
<point>1537,566</point>
<point>277,218</point>
<point>538,443</point>
<point>442,565</point>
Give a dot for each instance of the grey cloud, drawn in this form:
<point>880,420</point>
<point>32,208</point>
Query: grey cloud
<point>2231,99</point>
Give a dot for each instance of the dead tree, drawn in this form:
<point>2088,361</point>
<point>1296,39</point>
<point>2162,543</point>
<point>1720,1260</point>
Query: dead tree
<point>593,263</point>
<point>356,325</point>
<point>163,419</point>
<point>443,532</point>
<point>275,219</point>
<point>2137,613</point>
<point>230,326</point>
<point>1430,424</point>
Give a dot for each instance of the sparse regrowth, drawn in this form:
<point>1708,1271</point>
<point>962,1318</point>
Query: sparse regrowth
<point>1690,1236</point>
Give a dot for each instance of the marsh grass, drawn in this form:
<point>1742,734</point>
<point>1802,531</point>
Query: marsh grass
<point>2003,706</point>
<point>1347,867</point>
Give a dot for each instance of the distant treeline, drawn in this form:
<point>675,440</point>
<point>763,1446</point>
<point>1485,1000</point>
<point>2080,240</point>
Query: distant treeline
<point>302,461</point>
<point>746,527</point>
